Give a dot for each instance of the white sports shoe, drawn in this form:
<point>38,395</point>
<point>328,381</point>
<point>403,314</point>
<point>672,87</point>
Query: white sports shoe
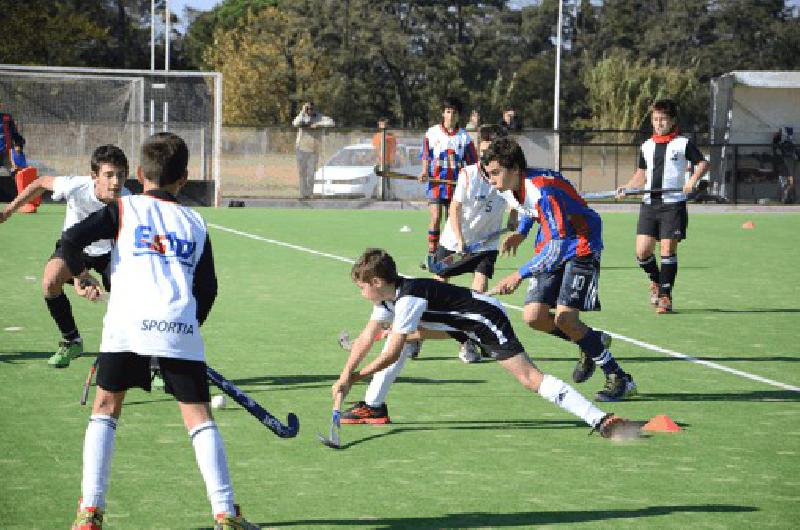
<point>469,352</point>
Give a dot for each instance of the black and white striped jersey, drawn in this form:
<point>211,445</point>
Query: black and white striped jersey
<point>431,304</point>
<point>665,166</point>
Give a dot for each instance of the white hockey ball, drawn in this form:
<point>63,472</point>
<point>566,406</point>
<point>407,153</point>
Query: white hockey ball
<point>219,402</point>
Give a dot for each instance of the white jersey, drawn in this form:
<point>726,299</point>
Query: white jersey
<point>152,309</point>
<point>673,172</point>
<point>482,211</point>
<point>81,203</point>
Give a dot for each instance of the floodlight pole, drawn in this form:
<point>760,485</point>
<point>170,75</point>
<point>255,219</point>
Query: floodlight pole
<point>152,34</point>
<point>557,88</point>
<point>166,35</point>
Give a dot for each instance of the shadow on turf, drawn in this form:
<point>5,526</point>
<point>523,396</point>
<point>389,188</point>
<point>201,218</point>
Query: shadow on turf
<point>418,426</point>
<point>10,357</point>
<point>755,395</point>
<point>495,520</point>
<point>325,381</point>
<point>740,311</point>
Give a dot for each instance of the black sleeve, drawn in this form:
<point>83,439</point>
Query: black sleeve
<point>642,161</point>
<point>102,224</point>
<point>693,154</point>
<point>204,287</point>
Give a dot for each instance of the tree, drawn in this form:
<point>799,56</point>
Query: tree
<point>224,16</point>
<point>263,62</point>
<point>620,90</point>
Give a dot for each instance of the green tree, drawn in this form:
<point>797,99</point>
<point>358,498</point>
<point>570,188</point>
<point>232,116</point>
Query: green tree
<point>263,62</point>
<point>226,15</point>
<point>620,90</point>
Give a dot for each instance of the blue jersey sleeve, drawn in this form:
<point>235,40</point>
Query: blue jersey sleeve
<point>551,256</point>
<point>525,224</point>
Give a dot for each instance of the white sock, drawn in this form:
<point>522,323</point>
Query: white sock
<point>382,381</point>
<point>210,453</point>
<point>98,448</point>
<point>557,391</point>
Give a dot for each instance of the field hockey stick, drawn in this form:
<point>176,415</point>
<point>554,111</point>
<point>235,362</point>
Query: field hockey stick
<point>385,173</point>
<point>289,430</point>
<point>88,383</point>
<point>333,440</point>
<point>632,191</point>
<point>454,260</point>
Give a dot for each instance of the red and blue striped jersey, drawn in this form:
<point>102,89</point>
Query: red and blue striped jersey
<point>568,227</point>
<point>446,152</point>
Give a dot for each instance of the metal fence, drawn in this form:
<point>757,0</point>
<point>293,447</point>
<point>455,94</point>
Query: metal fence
<point>262,162</point>
<point>738,173</point>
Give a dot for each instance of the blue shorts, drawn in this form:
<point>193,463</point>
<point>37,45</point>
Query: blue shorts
<point>440,193</point>
<point>573,285</point>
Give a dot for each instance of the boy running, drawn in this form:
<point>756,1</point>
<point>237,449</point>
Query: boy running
<point>433,309</point>
<point>476,211</point>
<point>84,195</point>
<point>663,218</point>
<point>566,263</point>
<point>164,286</point>
<point>446,149</point>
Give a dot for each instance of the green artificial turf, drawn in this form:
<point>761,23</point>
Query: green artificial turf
<point>468,447</point>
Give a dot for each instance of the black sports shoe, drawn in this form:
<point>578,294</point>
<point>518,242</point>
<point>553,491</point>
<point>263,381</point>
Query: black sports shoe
<point>363,413</point>
<point>618,386</point>
<point>584,369</point>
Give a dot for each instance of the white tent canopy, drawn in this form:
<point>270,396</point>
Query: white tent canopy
<point>749,107</point>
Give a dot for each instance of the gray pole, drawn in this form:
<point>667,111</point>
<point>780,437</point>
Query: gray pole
<point>557,88</point>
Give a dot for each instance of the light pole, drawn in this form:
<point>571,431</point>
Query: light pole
<point>557,87</point>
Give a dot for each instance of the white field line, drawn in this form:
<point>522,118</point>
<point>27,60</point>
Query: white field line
<point>641,344</point>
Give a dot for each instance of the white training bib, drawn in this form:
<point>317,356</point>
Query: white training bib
<point>152,310</point>
<point>483,209</point>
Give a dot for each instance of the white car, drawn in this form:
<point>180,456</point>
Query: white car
<point>350,172</point>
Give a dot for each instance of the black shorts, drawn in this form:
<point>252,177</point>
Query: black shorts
<point>663,221</point>
<point>441,201</point>
<point>482,262</point>
<point>121,371</point>
<point>488,340</point>
<point>573,285</point>
<point>97,263</point>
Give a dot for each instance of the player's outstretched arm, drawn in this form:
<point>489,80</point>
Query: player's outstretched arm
<point>454,218</point>
<point>388,356</point>
<point>636,181</point>
<point>358,351</point>
<point>699,170</point>
<point>31,192</point>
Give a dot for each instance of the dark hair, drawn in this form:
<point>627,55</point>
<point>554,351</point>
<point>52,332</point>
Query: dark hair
<point>506,152</point>
<point>667,106</point>
<point>109,154</point>
<point>488,133</point>
<point>374,263</point>
<point>452,102</point>
<point>164,158</point>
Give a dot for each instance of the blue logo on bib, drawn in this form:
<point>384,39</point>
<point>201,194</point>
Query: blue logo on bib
<point>168,246</point>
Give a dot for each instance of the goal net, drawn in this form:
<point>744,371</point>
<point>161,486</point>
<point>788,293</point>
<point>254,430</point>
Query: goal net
<point>65,113</point>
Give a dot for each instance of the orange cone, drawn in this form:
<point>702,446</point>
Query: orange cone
<point>24,177</point>
<point>748,225</point>
<point>661,423</point>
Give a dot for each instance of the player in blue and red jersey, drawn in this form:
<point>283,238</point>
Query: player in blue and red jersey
<point>566,263</point>
<point>446,149</point>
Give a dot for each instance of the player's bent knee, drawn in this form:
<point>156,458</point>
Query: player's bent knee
<point>109,403</point>
<point>567,321</point>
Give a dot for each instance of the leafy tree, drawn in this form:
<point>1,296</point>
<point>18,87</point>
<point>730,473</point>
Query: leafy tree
<point>263,62</point>
<point>224,16</point>
<point>620,90</point>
